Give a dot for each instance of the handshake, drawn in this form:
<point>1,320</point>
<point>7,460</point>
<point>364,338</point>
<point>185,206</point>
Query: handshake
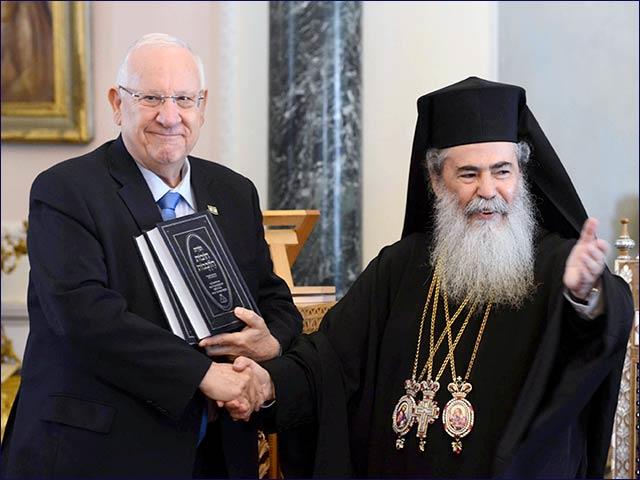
<point>241,387</point>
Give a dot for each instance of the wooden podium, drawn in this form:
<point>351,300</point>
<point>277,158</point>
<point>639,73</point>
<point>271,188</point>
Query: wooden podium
<point>286,232</point>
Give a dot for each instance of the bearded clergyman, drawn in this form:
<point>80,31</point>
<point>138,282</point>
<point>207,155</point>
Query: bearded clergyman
<point>488,341</point>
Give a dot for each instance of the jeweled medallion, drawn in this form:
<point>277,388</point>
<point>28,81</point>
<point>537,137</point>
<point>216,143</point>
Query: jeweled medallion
<point>403,417</point>
<point>458,414</point>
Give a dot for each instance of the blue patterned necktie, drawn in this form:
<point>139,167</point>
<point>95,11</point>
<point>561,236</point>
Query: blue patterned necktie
<point>168,204</point>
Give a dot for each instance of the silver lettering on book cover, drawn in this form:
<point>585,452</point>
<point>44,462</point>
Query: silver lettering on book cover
<point>207,267</point>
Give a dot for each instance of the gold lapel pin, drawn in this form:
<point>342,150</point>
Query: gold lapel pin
<point>213,209</point>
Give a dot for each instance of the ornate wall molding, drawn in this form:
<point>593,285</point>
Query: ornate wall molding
<point>624,440</point>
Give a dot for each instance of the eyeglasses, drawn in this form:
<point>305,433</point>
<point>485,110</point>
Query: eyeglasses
<point>152,100</point>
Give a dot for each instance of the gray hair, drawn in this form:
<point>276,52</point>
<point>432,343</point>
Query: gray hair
<point>159,40</point>
<point>435,157</point>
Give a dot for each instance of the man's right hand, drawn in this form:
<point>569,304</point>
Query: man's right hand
<point>223,383</point>
<point>263,380</point>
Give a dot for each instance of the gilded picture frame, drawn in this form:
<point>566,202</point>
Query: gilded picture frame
<point>46,72</point>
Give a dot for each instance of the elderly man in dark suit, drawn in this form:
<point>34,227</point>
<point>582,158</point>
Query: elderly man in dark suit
<point>107,389</point>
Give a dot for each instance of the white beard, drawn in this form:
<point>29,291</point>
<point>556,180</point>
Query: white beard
<point>488,260</point>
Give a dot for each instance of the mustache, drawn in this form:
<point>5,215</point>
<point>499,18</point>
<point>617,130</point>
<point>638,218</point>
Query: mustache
<point>496,204</point>
<point>482,260</point>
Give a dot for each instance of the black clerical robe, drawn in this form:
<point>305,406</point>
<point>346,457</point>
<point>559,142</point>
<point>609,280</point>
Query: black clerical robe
<point>545,381</point>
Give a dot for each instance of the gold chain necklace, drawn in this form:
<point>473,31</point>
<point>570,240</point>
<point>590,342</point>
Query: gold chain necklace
<point>458,413</point>
<point>410,409</point>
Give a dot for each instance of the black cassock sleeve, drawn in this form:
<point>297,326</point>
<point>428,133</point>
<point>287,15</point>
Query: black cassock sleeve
<point>322,374</point>
<point>570,429</point>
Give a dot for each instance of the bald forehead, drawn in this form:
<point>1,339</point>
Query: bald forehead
<point>148,65</point>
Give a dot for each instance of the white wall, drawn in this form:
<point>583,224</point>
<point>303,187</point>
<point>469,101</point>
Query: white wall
<point>409,49</point>
<point>579,64</point>
<point>239,108</point>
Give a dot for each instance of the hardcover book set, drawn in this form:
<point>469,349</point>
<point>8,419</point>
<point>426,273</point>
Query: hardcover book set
<point>194,276</point>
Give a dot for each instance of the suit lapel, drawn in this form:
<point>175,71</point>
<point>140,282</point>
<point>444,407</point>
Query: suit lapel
<point>133,189</point>
<point>138,198</point>
<point>204,188</point>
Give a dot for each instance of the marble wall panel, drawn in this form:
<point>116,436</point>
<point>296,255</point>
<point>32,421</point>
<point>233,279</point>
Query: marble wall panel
<point>315,131</point>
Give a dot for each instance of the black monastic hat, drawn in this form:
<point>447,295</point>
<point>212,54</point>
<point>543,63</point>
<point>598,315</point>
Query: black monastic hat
<point>476,111</point>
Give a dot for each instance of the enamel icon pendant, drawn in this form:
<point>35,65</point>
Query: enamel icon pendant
<point>458,414</point>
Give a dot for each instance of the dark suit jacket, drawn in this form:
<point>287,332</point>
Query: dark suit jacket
<point>107,389</point>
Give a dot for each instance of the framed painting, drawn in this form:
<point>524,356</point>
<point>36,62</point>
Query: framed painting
<point>46,74</point>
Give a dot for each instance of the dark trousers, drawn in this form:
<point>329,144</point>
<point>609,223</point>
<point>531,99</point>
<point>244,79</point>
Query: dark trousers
<point>210,461</point>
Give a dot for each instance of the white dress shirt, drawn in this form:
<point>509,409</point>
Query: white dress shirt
<point>186,205</point>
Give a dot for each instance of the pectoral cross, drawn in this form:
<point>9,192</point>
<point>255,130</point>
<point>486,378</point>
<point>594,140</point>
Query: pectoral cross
<point>407,412</point>
<point>426,412</point>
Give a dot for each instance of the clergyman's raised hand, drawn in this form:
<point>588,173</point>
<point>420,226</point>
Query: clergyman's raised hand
<point>586,261</point>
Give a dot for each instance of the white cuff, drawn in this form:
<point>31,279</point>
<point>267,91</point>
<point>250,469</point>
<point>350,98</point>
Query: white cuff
<point>268,404</point>
<point>593,307</point>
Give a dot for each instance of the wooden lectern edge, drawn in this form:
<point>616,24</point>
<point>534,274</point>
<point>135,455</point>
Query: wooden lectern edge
<point>287,217</point>
<point>303,233</point>
<point>302,222</point>
<point>286,243</point>
<point>311,290</point>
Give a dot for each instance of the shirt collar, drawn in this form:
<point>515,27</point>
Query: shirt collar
<point>159,188</point>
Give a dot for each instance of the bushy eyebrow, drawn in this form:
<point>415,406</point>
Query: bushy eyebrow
<point>499,165</point>
<point>495,166</point>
